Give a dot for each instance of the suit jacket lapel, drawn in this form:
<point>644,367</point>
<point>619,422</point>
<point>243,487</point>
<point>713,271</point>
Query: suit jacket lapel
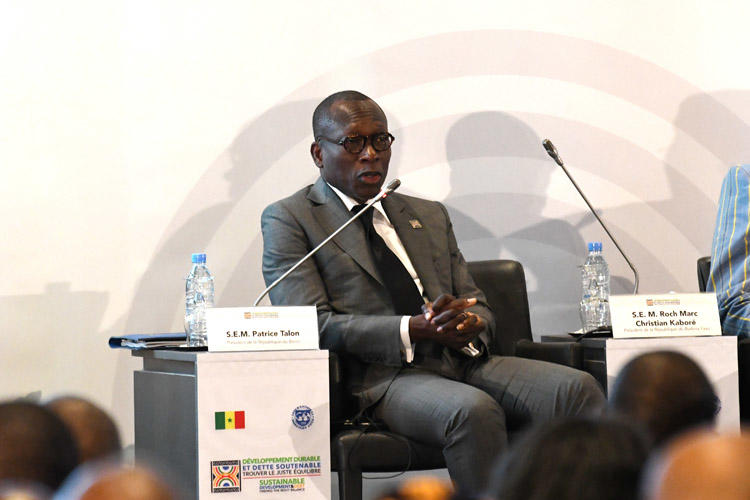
<point>331,213</point>
<point>416,241</point>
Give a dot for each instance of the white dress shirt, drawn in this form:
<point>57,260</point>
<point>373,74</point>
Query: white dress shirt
<point>386,231</point>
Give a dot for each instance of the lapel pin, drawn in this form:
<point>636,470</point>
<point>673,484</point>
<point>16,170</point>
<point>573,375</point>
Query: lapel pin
<point>415,224</point>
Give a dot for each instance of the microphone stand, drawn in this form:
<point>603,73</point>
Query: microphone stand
<point>552,151</point>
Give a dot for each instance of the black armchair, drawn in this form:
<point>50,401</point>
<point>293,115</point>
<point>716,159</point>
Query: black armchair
<point>504,284</point>
<point>356,448</point>
<point>704,271</point>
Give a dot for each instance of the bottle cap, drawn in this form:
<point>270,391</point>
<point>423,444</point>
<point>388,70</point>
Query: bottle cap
<point>199,258</point>
<point>598,246</point>
<point>591,246</point>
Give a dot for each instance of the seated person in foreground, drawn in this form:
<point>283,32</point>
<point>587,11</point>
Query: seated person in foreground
<point>36,447</point>
<point>395,298</point>
<point>573,459</point>
<point>109,480</point>
<point>730,253</point>
<point>92,428</point>
<point>666,392</point>
<point>698,466</point>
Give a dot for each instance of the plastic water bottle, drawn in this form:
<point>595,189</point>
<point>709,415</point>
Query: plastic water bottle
<point>199,294</point>
<point>595,290</point>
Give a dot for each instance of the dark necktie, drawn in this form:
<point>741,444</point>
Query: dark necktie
<point>407,301</point>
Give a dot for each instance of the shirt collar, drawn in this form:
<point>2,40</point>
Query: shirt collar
<point>350,202</point>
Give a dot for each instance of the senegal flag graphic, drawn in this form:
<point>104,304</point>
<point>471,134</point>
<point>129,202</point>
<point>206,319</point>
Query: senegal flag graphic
<point>229,420</point>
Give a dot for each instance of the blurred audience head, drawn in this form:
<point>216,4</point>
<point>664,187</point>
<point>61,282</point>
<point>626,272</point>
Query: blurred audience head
<point>93,429</point>
<point>110,480</point>
<point>10,490</point>
<point>421,488</point>
<point>573,458</point>
<point>667,392</point>
<point>35,445</point>
<point>698,466</point>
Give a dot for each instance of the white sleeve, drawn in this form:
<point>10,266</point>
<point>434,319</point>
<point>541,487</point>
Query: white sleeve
<point>406,340</point>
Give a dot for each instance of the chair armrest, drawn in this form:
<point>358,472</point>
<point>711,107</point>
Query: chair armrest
<point>382,451</point>
<point>563,353</point>
<point>341,404</point>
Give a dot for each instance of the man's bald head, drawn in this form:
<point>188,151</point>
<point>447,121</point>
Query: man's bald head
<point>94,431</point>
<point>35,445</point>
<point>325,115</point>
<point>699,466</point>
<point>665,391</point>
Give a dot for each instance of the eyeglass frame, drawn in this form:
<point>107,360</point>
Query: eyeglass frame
<point>343,141</point>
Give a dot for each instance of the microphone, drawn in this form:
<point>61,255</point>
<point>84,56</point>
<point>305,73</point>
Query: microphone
<point>552,151</point>
<point>391,187</point>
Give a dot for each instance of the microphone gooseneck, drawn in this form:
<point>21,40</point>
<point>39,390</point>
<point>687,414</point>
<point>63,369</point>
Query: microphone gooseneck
<point>552,151</point>
<point>391,187</point>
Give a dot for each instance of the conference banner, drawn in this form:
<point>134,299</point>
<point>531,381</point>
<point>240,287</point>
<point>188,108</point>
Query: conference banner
<point>263,425</point>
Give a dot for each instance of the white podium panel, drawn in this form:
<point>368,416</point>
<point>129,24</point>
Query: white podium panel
<point>717,356</point>
<point>263,425</point>
<point>237,424</point>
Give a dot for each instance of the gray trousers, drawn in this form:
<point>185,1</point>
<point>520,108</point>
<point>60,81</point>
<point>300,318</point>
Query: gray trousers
<point>469,418</point>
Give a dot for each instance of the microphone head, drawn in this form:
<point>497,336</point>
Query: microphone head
<point>552,151</point>
<point>392,186</point>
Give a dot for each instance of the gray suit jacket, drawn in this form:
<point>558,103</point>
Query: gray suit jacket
<point>355,315</point>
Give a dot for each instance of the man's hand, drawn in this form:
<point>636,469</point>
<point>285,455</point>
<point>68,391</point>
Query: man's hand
<point>446,321</point>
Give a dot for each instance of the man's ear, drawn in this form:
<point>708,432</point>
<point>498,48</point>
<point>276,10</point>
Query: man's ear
<point>317,154</point>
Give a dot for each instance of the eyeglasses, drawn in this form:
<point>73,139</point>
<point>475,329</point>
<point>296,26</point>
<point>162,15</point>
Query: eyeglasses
<point>354,145</point>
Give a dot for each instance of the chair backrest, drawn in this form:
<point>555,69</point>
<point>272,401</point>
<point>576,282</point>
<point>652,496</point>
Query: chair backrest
<point>504,284</point>
<point>704,270</point>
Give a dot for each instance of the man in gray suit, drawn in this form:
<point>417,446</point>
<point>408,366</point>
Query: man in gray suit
<point>395,298</point>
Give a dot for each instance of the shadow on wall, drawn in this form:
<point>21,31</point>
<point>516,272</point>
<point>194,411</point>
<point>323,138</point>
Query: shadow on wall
<point>510,222</point>
<point>256,148</point>
<point>506,218</point>
<point>720,122</point>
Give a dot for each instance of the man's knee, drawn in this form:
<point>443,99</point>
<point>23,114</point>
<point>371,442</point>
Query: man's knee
<point>477,410</point>
<point>583,394</point>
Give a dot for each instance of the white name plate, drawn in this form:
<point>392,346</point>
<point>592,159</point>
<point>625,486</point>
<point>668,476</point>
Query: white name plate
<point>275,328</point>
<point>668,315</point>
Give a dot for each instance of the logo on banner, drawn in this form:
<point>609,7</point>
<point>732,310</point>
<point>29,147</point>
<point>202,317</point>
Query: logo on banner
<point>225,476</point>
<point>229,420</point>
<point>303,417</point>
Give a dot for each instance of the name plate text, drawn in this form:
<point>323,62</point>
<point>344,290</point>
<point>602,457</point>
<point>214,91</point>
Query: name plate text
<point>270,328</point>
<point>667,315</point>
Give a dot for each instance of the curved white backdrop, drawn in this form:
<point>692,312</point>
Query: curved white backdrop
<point>135,135</point>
